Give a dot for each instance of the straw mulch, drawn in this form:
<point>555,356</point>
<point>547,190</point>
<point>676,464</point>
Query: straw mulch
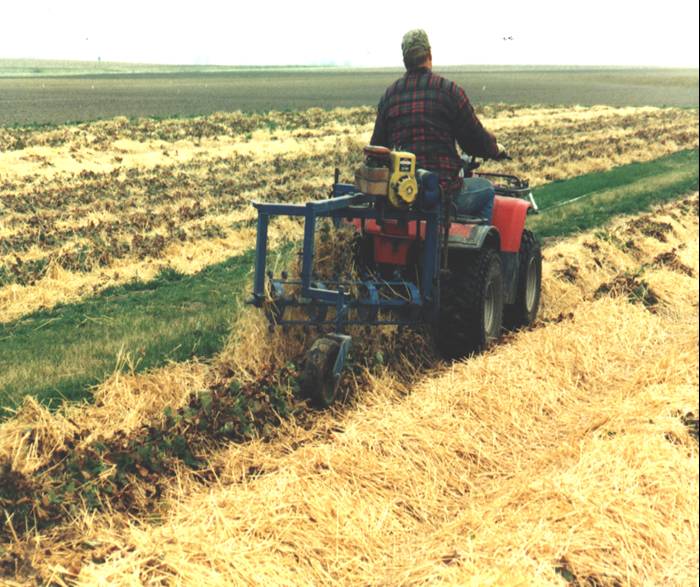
<point>123,403</point>
<point>290,161</point>
<point>564,455</point>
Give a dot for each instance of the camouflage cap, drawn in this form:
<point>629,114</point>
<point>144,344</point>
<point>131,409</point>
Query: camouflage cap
<point>415,44</point>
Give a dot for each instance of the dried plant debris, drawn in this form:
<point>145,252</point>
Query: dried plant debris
<point>564,570</point>
<point>671,260</point>
<point>568,273</point>
<point>636,290</point>
<point>652,228</point>
<point>692,422</point>
<point>127,471</point>
<point>106,472</point>
<point>592,246</point>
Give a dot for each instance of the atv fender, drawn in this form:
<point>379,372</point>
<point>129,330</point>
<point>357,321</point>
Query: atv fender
<point>473,236</point>
<point>509,217</point>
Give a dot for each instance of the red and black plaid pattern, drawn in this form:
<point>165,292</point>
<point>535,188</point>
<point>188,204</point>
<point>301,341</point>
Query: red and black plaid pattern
<point>426,114</point>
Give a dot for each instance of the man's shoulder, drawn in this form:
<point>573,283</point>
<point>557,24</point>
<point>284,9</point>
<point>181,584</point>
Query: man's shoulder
<point>428,79</point>
<point>396,86</point>
<point>446,84</point>
<point>454,92</point>
<point>442,88</point>
<point>395,89</point>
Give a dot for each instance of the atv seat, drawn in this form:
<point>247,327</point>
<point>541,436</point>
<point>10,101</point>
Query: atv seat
<point>474,198</point>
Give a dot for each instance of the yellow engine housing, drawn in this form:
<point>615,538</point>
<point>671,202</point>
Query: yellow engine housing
<point>403,187</point>
<point>391,174</point>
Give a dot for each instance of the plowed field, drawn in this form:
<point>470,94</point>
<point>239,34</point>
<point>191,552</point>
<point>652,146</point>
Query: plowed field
<point>87,206</point>
<point>566,455</point>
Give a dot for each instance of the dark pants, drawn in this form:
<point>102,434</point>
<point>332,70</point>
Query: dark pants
<point>475,198</point>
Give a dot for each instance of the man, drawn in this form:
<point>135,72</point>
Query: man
<point>426,114</point>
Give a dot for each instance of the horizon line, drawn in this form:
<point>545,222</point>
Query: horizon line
<point>105,63</point>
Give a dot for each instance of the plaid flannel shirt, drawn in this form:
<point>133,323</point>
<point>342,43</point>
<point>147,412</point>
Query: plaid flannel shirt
<point>425,114</point>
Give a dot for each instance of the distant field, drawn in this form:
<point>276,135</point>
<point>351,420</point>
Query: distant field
<point>55,67</point>
<point>45,93</point>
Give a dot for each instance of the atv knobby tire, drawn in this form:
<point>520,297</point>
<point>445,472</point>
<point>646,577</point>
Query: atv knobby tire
<point>317,381</point>
<point>471,303</point>
<point>527,300</point>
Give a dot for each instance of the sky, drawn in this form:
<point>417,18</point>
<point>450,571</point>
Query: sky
<point>352,33</point>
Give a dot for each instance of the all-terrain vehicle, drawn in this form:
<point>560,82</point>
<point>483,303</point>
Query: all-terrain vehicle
<point>420,262</point>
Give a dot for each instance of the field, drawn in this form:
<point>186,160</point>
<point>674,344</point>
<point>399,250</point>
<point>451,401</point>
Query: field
<point>81,92</point>
<point>565,455</point>
<point>94,205</point>
<point>113,204</point>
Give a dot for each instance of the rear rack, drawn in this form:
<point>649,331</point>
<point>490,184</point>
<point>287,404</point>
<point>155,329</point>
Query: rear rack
<point>511,186</point>
<point>507,185</point>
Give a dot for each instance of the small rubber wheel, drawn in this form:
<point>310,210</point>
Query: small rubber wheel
<point>527,299</point>
<point>317,381</point>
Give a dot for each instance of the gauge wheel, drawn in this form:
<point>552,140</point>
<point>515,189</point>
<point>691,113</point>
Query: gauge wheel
<point>318,382</point>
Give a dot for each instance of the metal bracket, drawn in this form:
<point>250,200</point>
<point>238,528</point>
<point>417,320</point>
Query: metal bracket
<point>535,208</point>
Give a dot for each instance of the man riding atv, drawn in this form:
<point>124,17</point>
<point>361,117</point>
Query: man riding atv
<point>425,114</point>
<point>463,275</point>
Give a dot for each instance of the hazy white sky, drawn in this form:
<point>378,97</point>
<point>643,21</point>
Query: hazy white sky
<point>359,32</point>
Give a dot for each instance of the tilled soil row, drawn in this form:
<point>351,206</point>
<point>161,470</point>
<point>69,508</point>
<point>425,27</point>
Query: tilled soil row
<point>77,221</point>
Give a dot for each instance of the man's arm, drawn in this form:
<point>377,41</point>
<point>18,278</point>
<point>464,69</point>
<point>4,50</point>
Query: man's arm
<point>471,136</point>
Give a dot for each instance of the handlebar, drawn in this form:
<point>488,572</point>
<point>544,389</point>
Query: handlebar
<point>470,162</point>
<point>505,183</point>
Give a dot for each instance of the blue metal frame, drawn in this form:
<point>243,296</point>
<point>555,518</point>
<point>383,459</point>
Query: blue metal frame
<point>347,203</point>
<point>370,301</point>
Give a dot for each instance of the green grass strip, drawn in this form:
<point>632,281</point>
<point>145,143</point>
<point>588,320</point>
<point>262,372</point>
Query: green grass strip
<point>623,190</point>
<point>59,354</point>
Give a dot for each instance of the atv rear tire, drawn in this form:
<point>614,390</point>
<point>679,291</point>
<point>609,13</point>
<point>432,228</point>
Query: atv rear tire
<point>471,308</point>
<point>317,381</point>
<point>527,300</point>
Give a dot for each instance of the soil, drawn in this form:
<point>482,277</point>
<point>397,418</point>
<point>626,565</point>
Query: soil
<point>636,290</point>
<point>651,228</point>
<point>671,260</point>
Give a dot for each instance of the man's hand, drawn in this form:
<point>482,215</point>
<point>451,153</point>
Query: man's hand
<point>502,153</point>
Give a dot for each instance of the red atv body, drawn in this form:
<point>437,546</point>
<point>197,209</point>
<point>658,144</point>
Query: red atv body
<point>393,241</point>
<point>491,275</point>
